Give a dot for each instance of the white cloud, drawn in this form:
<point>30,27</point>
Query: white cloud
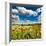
<point>26,11</point>
<point>38,10</point>
<point>21,10</point>
<point>15,19</point>
<point>15,16</point>
<point>15,11</point>
<point>35,13</point>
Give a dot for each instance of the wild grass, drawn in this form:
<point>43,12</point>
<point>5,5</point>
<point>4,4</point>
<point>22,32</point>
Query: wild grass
<point>25,31</point>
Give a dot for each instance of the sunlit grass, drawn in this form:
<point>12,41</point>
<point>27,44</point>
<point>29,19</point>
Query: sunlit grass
<point>25,31</point>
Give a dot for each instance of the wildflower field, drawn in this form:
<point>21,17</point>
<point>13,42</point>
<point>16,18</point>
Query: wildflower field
<point>25,31</point>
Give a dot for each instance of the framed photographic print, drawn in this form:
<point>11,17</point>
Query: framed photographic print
<point>24,22</point>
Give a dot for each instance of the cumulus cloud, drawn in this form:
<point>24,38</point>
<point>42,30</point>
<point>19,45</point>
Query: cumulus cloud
<point>25,11</point>
<point>21,10</point>
<point>15,11</point>
<point>14,16</point>
<point>15,19</point>
<point>38,10</point>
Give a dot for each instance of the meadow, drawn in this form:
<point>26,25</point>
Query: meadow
<point>25,31</point>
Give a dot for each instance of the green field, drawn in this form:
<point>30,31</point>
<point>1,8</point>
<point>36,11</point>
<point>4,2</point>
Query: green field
<point>25,31</point>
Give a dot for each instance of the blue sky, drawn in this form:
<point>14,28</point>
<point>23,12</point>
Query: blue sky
<point>27,13</point>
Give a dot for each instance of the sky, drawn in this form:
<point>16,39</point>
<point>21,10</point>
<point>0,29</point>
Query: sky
<point>26,14</point>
